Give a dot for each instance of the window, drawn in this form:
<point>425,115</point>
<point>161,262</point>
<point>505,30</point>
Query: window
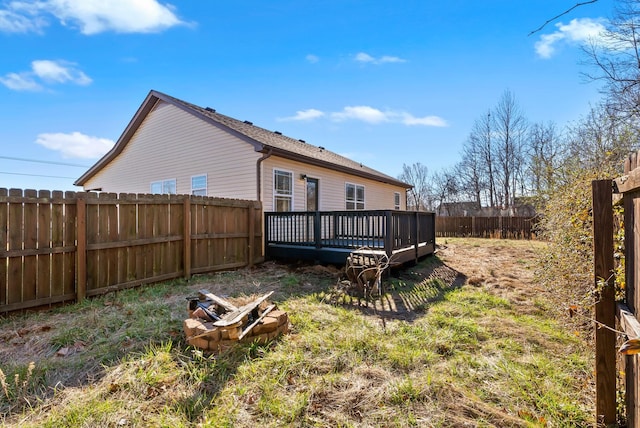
<point>282,190</point>
<point>396,200</point>
<point>164,187</point>
<point>199,185</point>
<point>354,196</point>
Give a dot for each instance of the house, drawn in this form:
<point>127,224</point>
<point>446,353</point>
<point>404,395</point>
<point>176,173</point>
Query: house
<point>172,146</point>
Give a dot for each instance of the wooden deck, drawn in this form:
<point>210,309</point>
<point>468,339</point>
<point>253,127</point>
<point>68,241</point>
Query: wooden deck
<point>329,236</point>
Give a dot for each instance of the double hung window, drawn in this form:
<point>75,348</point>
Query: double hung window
<point>282,190</point>
<point>199,185</point>
<point>354,196</point>
<point>164,187</point>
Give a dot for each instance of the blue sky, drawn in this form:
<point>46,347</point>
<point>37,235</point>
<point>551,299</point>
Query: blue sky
<point>385,83</point>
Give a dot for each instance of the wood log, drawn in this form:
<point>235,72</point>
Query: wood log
<point>253,324</point>
<point>236,316</point>
<point>219,300</point>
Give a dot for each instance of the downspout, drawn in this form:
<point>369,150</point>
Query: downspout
<point>259,197</point>
<point>258,173</point>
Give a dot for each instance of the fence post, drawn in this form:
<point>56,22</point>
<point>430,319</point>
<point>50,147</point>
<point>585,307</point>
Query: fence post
<point>251,207</point>
<point>81,261</point>
<point>186,260</point>
<point>605,305</point>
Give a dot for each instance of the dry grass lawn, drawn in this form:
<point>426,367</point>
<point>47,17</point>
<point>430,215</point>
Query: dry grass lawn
<point>464,338</point>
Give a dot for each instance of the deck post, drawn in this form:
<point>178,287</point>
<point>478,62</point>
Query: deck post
<point>389,238</point>
<point>416,235</point>
<point>317,229</point>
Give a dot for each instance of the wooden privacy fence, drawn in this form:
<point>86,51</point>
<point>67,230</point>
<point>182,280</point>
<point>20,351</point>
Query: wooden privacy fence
<point>607,310</point>
<point>57,247</point>
<point>486,227</point>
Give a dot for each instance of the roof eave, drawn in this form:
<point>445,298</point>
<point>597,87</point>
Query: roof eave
<point>318,162</point>
<point>144,109</point>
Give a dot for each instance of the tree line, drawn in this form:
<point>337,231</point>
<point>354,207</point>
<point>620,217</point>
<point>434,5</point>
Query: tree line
<point>506,160</point>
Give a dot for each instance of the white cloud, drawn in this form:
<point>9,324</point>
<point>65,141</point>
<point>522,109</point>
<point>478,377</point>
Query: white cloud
<point>59,72</point>
<point>578,30</point>
<point>75,144</point>
<point>13,22</point>
<point>370,115</point>
<point>312,58</point>
<point>363,113</point>
<point>387,58</point>
<point>47,71</point>
<point>364,57</point>
<point>368,59</point>
<point>309,114</point>
<point>20,82</point>
<point>90,16</point>
<point>409,119</point>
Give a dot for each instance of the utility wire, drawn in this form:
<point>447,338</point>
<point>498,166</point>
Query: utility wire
<point>36,175</point>
<point>44,161</point>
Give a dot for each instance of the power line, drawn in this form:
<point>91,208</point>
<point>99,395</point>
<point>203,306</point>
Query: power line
<point>44,161</point>
<point>36,175</point>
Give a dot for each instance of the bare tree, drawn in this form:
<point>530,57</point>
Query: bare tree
<point>471,169</point>
<point>446,188</point>
<point>544,156</point>
<point>600,138</point>
<point>548,21</point>
<point>615,57</point>
<point>481,143</point>
<point>511,127</point>
<point>418,176</point>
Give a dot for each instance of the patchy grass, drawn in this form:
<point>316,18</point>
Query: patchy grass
<point>460,339</point>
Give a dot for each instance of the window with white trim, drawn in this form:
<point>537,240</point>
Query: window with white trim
<point>199,185</point>
<point>164,187</point>
<point>354,196</point>
<point>282,190</point>
<point>396,200</point>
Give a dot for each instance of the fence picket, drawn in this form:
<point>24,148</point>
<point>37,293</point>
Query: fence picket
<point>3,245</point>
<point>57,241</point>
<point>14,294</point>
<point>44,243</point>
<point>70,213</point>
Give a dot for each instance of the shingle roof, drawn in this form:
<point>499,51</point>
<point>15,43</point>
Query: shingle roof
<point>263,139</point>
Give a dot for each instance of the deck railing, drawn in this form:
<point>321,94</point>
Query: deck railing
<point>386,230</point>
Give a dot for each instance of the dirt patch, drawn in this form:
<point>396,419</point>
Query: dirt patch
<point>506,270</point>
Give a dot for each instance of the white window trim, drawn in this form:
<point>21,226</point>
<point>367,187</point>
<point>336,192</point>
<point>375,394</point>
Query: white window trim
<point>355,201</point>
<point>396,195</point>
<point>206,184</point>
<point>274,190</point>
<point>162,182</point>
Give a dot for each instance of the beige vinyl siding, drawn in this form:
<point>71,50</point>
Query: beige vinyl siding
<point>331,185</point>
<point>171,143</point>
